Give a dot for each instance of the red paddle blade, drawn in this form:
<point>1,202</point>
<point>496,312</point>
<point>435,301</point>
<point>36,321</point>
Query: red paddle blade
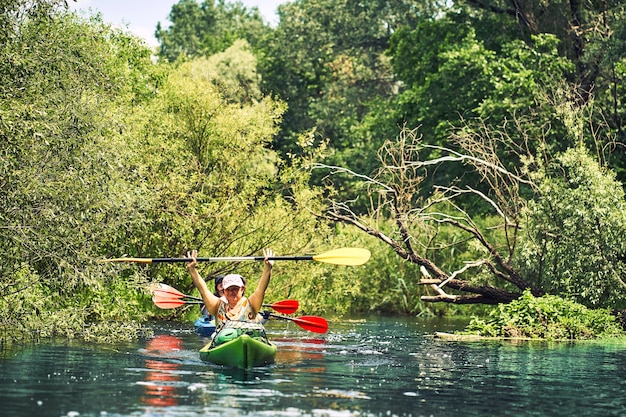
<point>167,291</point>
<point>285,306</point>
<point>312,323</point>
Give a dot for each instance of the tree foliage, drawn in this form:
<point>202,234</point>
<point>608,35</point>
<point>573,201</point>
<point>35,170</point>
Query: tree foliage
<point>482,80</point>
<point>548,317</point>
<point>477,85</point>
<point>354,74</point>
<point>203,29</point>
<point>233,72</point>
<point>573,244</point>
<point>327,60</point>
<point>510,184</point>
<point>66,85</point>
<point>106,153</point>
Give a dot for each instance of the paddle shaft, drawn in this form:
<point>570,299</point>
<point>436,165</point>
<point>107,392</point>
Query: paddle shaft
<point>343,256</point>
<point>233,258</point>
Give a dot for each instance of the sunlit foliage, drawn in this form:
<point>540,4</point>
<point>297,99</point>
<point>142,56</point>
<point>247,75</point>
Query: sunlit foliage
<point>548,317</point>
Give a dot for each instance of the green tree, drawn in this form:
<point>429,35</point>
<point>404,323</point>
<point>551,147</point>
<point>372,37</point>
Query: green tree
<point>590,36</point>
<point>585,30</point>
<point>445,60</point>
<point>203,29</point>
<point>233,71</point>
<point>327,60</point>
<point>66,86</point>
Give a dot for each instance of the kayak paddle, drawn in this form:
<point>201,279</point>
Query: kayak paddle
<point>167,302</point>
<point>166,297</point>
<point>310,323</point>
<point>343,256</point>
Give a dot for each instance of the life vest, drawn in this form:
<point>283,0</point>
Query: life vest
<point>243,312</point>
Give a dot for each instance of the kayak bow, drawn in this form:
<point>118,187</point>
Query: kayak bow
<point>241,345</point>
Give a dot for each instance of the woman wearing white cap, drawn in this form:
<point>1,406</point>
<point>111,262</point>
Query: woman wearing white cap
<point>233,306</point>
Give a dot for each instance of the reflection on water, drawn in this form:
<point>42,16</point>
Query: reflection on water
<point>160,384</point>
<point>295,351</point>
<point>377,367</point>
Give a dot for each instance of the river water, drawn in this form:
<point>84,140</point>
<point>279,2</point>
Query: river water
<point>373,367</point>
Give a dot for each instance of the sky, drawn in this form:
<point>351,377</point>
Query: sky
<point>141,16</point>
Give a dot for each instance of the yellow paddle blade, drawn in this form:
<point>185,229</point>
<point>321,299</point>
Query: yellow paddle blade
<point>344,256</point>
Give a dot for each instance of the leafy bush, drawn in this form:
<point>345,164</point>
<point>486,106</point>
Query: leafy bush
<point>548,317</point>
<point>574,243</point>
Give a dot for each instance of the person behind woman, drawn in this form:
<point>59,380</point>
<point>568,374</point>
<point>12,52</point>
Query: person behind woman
<point>233,306</point>
<point>219,288</point>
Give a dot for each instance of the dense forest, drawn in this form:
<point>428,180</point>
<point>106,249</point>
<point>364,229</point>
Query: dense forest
<point>474,146</point>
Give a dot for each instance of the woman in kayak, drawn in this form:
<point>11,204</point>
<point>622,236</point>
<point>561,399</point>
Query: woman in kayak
<point>233,306</point>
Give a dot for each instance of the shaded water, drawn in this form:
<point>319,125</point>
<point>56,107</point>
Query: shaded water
<point>377,367</point>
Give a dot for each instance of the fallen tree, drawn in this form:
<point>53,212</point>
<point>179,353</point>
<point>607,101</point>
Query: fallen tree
<point>552,224</point>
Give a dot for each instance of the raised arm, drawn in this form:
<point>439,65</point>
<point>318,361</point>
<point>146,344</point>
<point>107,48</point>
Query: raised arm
<point>211,302</point>
<point>256,299</point>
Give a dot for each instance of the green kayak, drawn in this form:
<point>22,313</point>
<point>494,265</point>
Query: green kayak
<point>241,345</point>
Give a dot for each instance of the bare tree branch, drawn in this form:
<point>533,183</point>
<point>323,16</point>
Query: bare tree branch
<point>419,214</point>
<point>471,159</point>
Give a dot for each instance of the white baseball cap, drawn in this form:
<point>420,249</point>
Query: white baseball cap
<point>231,280</point>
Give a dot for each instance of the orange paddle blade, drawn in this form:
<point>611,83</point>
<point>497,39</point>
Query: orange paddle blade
<point>310,323</point>
<point>167,303</point>
<point>164,290</point>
